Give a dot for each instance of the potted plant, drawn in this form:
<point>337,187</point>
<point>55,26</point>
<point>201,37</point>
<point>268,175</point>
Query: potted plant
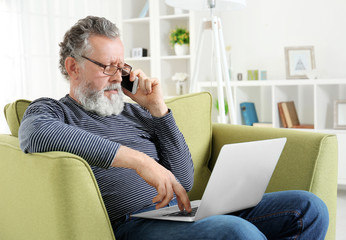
<point>180,39</point>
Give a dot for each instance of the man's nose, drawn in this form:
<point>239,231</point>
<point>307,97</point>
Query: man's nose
<point>116,77</point>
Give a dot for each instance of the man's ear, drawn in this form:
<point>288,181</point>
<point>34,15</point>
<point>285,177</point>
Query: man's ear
<point>72,68</point>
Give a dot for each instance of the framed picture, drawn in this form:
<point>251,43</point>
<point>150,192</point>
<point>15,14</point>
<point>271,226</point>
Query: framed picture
<point>340,114</point>
<point>300,61</point>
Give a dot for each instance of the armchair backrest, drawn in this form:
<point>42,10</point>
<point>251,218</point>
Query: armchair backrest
<point>14,113</point>
<point>192,113</point>
<point>193,116</point>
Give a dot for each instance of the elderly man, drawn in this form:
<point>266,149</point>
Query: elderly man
<point>137,153</point>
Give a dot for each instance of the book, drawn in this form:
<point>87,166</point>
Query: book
<point>282,116</point>
<point>249,114</point>
<point>290,114</point>
<point>262,124</point>
<point>307,126</point>
<point>289,117</point>
<point>145,9</point>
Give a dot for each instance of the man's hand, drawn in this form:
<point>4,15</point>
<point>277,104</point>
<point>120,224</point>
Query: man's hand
<point>149,94</point>
<point>155,175</point>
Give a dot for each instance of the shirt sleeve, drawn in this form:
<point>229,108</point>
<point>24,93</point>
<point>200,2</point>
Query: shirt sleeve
<point>174,152</point>
<point>43,129</point>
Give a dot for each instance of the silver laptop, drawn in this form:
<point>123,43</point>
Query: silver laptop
<point>238,181</point>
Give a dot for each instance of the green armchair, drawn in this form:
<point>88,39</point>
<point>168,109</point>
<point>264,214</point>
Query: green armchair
<point>54,195</point>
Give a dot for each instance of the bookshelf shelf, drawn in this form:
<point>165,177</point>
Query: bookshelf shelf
<point>314,99</point>
<point>174,16</point>
<point>314,102</point>
<point>136,20</point>
<point>174,57</point>
<point>140,59</point>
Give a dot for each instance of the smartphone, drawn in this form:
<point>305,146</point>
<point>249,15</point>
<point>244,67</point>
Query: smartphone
<point>127,84</point>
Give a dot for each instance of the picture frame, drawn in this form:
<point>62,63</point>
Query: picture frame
<point>340,114</point>
<point>300,62</point>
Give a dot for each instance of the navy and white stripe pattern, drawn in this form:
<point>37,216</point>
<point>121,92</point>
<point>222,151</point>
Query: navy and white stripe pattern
<point>51,125</point>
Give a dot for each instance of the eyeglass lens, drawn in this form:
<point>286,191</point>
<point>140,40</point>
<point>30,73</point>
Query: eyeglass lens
<point>111,70</point>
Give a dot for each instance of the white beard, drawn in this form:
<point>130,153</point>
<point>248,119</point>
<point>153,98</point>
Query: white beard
<point>96,101</point>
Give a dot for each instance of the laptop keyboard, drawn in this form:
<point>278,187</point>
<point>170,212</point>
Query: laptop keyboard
<point>183,213</point>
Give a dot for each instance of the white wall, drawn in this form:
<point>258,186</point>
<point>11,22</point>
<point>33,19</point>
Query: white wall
<point>259,33</point>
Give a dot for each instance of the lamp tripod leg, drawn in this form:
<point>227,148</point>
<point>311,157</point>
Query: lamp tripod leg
<point>220,94</point>
<point>221,68</point>
<point>195,76</point>
<point>231,107</point>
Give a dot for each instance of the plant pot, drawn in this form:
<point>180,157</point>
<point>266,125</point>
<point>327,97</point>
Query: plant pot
<point>181,50</point>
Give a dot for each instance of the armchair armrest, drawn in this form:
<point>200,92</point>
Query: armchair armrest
<point>50,195</point>
<point>308,162</point>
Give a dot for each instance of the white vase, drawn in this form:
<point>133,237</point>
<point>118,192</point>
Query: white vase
<point>181,50</point>
<point>180,88</point>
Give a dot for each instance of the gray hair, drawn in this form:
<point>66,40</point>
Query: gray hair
<point>76,43</point>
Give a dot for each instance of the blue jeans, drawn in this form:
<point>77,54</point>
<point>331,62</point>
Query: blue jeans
<point>279,215</point>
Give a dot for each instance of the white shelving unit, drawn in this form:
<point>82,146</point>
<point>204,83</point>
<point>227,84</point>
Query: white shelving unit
<point>152,32</point>
<point>314,101</point>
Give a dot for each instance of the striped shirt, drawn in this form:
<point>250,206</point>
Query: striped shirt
<point>51,125</point>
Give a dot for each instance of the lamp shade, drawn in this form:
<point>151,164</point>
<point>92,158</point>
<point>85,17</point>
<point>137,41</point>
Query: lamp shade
<point>205,4</point>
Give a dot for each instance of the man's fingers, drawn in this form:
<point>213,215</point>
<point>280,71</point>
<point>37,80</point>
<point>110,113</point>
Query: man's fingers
<point>183,199</point>
<point>165,183</point>
<point>165,198</point>
<point>161,193</point>
<point>157,198</point>
<point>180,205</point>
<point>147,85</point>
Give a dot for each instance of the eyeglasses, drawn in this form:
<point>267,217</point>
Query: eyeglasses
<point>111,70</point>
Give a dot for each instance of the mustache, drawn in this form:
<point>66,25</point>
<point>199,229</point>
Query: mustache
<point>114,86</point>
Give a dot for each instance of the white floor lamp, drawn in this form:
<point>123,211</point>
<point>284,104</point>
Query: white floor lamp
<point>215,26</point>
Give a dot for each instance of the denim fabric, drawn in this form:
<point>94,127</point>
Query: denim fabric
<point>279,215</point>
